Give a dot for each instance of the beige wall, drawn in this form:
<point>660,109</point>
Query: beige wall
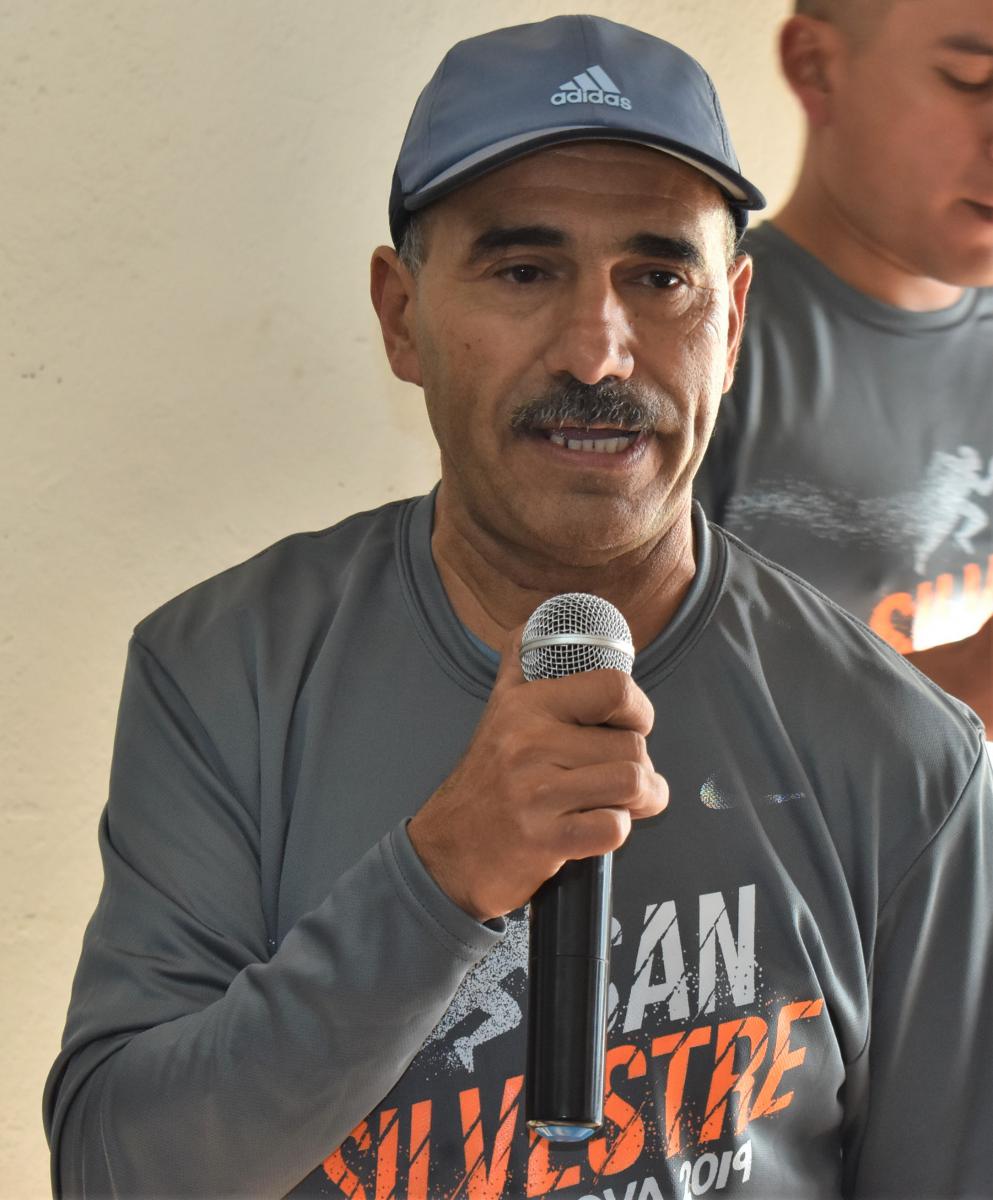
<point>189,368</point>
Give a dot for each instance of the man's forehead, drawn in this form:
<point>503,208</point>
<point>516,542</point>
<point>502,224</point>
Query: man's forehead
<point>552,186</point>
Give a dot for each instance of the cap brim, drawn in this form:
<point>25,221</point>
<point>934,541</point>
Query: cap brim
<point>734,185</point>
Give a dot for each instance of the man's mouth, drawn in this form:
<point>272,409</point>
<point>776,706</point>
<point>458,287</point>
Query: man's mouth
<point>593,441</point>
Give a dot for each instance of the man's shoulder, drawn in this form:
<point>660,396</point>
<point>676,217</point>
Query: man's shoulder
<point>280,584</point>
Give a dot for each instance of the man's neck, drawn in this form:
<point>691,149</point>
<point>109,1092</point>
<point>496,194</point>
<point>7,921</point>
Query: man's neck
<point>494,587</point>
<point>814,222</point>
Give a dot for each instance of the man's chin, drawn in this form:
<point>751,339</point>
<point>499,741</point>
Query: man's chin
<point>969,258</point>
<point>593,536</point>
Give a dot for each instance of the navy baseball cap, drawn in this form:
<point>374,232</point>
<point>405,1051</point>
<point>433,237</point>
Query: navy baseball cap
<point>504,94</point>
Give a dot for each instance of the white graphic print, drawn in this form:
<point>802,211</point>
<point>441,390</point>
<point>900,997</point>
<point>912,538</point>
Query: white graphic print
<point>663,976</point>
<point>949,481</point>
<point>592,86</point>
<point>942,508</point>
<point>661,979</point>
<point>705,1049</point>
<point>713,796</point>
<point>482,993</point>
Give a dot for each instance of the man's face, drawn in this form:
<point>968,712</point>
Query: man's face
<point>574,326</point>
<point>908,155</point>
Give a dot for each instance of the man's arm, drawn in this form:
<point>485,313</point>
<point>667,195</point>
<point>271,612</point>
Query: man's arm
<point>921,1125</point>
<point>964,669</point>
<point>199,1059</point>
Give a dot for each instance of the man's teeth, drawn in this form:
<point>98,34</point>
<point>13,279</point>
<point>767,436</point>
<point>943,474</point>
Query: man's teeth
<point>608,445</point>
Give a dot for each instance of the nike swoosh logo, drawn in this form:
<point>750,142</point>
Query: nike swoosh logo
<point>714,797</point>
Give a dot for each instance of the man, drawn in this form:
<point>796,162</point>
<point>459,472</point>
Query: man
<point>333,791</point>
<point>856,447</point>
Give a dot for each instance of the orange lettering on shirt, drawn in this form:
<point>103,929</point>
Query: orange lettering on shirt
<point>338,1171</point>
<point>900,604</point>
<point>978,595</point>
<point>420,1150</point>
<point>942,610</point>
<point>482,1182</point>
<point>933,599</point>
<point>386,1155</point>
<point>542,1176</point>
<point>783,1058</point>
<point>679,1045</point>
<point>726,1080</point>
<point>609,1155</point>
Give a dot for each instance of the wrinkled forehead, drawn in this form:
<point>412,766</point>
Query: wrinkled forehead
<point>590,187</point>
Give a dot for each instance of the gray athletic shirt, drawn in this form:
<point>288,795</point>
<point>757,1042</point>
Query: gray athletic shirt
<point>856,446</point>
<point>274,996</point>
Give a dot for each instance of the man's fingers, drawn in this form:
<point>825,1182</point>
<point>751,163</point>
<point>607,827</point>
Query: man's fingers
<point>596,698</point>
<point>571,746</point>
<point>596,831</point>
<point>510,672</point>
<point>634,787</point>
<point>556,770</point>
<point>601,829</point>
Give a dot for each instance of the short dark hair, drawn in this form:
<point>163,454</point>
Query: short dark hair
<point>412,249</point>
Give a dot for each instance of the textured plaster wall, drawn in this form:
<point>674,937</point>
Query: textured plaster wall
<point>189,367</point>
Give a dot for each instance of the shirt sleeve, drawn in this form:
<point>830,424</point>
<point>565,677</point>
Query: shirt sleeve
<point>199,1059</point>
<point>923,1111</point>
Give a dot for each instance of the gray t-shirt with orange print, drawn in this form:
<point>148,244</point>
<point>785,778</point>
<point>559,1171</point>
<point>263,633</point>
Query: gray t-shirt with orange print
<point>856,447</point>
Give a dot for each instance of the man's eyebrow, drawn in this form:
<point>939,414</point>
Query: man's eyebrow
<point>675,249</point>
<point>505,237</point>
<point>651,245</point>
<point>966,43</point>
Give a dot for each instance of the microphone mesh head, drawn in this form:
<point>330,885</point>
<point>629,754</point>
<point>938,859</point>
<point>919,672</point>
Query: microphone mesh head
<point>575,632</point>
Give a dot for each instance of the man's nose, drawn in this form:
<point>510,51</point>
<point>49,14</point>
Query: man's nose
<point>592,339</point>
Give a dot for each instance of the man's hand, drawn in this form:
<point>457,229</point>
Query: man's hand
<point>964,669</point>
<point>557,770</point>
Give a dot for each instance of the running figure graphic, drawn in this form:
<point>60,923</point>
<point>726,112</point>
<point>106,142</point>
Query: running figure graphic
<point>482,991</point>
<point>947,487</point>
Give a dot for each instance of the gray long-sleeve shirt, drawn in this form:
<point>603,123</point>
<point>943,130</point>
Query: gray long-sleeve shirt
<point>274,996</point>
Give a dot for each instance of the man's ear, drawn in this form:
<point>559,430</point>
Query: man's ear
<point>394,297</point>
<point>808,48</point>
<point>739,280</point>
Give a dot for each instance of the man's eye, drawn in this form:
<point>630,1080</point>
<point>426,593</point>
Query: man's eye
<point>967,85</point>
<point>661,280</point>
<point>523,273</point>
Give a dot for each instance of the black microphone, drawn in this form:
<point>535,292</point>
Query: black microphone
<point>569,947</point>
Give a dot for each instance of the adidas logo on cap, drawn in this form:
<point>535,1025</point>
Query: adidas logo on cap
<point>592,86</point>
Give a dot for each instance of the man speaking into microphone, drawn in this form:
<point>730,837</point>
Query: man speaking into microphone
<point>334,792</point>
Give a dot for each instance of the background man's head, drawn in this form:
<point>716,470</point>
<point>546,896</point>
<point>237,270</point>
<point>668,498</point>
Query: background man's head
<point>899,100</point>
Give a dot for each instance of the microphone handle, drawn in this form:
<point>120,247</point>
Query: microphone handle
<point>568,976</point>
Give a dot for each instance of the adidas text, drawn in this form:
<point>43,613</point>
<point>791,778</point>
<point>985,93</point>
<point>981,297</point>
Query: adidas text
<point>596,97</point>
<point>592,86</point>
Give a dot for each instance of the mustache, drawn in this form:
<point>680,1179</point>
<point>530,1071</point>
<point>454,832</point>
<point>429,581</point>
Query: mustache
<point>619,405</point>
